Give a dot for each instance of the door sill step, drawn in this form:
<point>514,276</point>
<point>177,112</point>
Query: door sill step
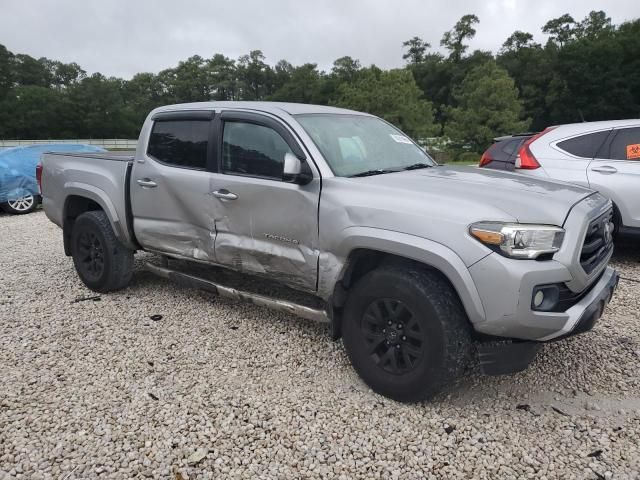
<point>227,292</point>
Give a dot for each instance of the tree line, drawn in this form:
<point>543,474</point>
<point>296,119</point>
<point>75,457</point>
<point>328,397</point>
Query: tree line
<point>587,70</point>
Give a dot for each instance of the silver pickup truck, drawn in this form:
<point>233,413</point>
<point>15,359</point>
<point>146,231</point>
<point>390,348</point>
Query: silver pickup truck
<point>422,269</point>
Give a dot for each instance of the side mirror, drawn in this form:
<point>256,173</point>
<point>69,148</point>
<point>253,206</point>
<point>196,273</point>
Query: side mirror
<point>296,170</point>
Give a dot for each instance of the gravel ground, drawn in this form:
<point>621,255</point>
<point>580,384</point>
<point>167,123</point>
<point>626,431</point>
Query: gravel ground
<point>215,389</point>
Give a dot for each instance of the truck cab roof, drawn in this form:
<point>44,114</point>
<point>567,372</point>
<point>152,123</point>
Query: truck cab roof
<point>268,107</point>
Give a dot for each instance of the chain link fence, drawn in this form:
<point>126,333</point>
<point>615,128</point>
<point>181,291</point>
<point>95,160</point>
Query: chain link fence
<point>108,143</point>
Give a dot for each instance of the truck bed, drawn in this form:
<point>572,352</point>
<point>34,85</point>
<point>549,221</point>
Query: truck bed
<point>121,156</point>
<point>99,177</point>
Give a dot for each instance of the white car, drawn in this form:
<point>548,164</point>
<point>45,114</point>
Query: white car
<point>604,156</point>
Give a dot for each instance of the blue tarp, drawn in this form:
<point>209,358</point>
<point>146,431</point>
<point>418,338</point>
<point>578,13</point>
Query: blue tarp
<point>18,167</point>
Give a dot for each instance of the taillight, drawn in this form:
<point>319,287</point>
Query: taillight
<point>39,176</point>
<point>526,159</point>
<point>485,159</point>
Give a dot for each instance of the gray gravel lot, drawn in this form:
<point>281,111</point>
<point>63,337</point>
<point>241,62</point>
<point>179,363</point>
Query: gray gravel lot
<point>96,389</point>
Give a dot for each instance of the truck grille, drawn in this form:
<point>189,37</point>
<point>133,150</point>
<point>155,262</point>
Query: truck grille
<point>598,242</point>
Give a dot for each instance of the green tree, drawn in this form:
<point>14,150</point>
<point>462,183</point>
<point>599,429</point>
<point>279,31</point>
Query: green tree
<point>561,30</point>
<point>416,49</point>
<point>222,75</point>
<point>29,71</point>
<point>346,69</point>
<point>437,76</point>
<point>143,93</point>
<point>454,40</point>
<point>587,69</point>
<point>597,78</point>
<point>255,77</point>
<point>488,106</point>
<point>303,85</point>
<point>392,95</point>
<point>6,71</point>
<point>33,112</point>
<point>189,81</point>
<point>100,110</point>
<point>594,25</point>
<point>517,41</point>
<point>282,74</point>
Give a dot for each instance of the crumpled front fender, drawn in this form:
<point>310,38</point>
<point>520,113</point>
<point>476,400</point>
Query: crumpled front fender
<point>433,254</point>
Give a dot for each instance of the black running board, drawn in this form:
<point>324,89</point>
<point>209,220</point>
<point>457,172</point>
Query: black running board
<point>240,295</point>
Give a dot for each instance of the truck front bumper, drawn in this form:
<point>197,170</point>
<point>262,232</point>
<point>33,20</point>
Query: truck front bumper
<point>510,356</point>
<point>507,286</point>
<point>590,308</point>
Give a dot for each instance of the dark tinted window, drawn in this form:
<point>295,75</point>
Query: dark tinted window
<point>626,144</point>
<point>180,142</point>
<point>249,149</point>
<point>585,146</point>
<point>511,146</point>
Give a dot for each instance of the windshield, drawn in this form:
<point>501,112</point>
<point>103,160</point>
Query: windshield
<point>358,144</point>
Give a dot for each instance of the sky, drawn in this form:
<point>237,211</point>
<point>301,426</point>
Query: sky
<point>123,37</point>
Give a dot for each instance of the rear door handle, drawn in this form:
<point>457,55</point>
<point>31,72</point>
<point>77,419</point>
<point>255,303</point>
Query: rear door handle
<point>224,194</point>
<point>605,169</point>
<point>146,183</point>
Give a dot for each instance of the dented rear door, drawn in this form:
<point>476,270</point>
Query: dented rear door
<point>171,206</point>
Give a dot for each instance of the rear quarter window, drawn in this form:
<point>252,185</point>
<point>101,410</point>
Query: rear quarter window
<point>584,146</point>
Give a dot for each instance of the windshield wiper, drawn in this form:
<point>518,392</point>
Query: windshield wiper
<point>369,173</point>
<point>417,166</point>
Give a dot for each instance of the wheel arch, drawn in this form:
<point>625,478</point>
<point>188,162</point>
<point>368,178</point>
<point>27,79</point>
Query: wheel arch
<point>370,248</point>
<point>85,199</point>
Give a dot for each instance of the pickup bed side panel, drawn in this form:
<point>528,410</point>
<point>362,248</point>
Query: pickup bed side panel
<point>98,178</point>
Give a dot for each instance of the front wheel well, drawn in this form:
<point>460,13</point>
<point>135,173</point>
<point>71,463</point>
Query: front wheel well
<point>617,218</point>
<point>362,261</point>
<point>74,206</point>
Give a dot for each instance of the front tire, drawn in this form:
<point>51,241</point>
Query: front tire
<point>617,222</point>
<point>102,262</point>
<point>27,203</point>
<point>406,332</point>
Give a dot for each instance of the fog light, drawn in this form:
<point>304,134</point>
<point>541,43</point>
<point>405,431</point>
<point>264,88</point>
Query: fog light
<point>545,298</point>
<point>538,298</point>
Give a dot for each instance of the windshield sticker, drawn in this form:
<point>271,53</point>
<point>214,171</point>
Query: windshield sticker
<point>401,139</point>
<point>633,151</point>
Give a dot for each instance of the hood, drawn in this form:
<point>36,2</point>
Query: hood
<point>524,198</point>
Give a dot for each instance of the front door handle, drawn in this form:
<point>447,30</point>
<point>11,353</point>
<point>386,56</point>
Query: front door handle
<point>605,169</point>
<point>224,194</point>
<point>146,183</point>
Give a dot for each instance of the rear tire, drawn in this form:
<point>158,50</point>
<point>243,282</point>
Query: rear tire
<point>406,332</point>
<point>24,204</point>
<point>102,262</point>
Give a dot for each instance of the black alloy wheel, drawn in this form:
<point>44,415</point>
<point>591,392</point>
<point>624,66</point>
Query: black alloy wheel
<point>394,337</point>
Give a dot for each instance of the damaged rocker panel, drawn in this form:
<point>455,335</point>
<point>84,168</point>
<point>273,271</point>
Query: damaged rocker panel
<point>234,294</point>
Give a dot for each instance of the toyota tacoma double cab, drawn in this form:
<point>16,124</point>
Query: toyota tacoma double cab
<point>421,269</point>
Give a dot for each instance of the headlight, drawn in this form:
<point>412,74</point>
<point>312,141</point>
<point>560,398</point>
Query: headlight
<point>517,240</point>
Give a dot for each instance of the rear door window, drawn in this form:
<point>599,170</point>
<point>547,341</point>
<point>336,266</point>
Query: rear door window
<point>625,145</point>
<point>584,146</point>
<point>180,143</point>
